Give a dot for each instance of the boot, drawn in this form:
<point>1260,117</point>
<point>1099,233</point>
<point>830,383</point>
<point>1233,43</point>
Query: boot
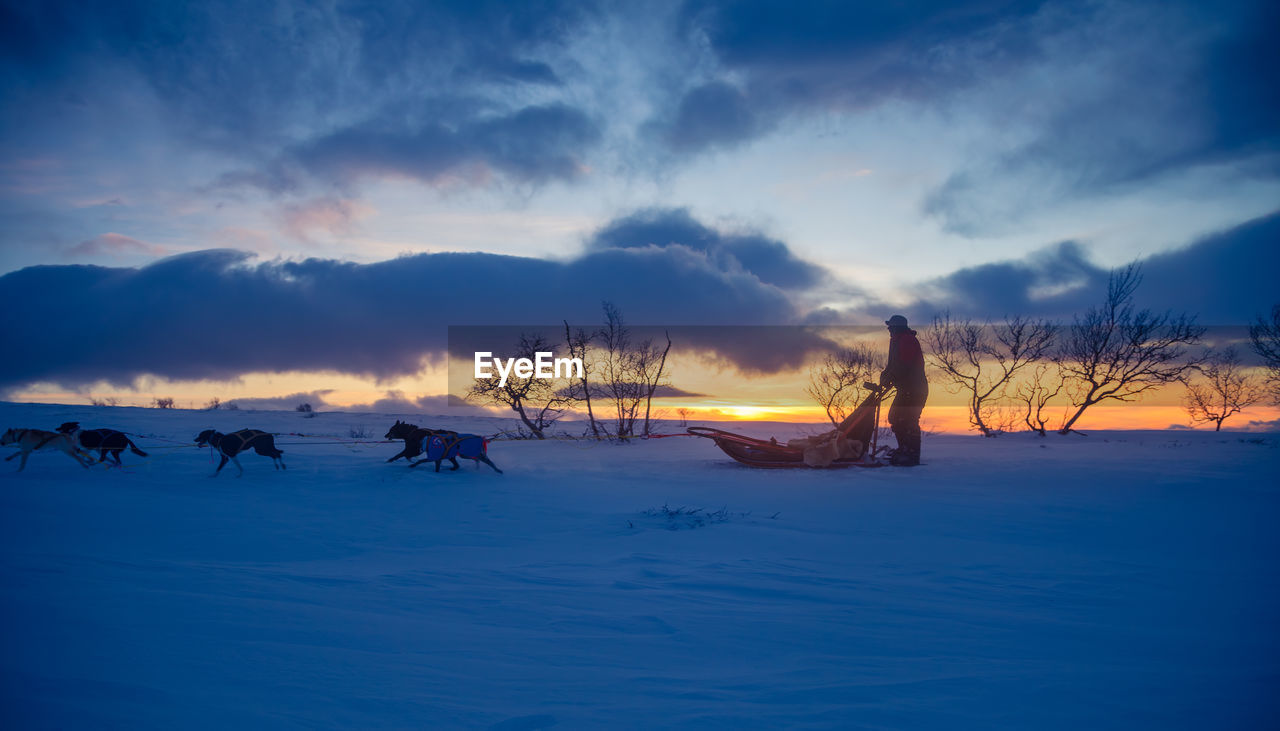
<point>908,452</point>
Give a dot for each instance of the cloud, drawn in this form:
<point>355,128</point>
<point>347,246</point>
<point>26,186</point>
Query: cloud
<point>803,60</point>
<point>216,314</point>
<point>316,399</point>
<point>294,92</point>
<point>1075,99</point>
<point>533,144</point>
<point>1225,279</point>
<point>398,402</point>
<point>113,245</point>
<point>709,116</point>
<point>336,216</point>
<point>769,260</point>
<point>1139,93</point>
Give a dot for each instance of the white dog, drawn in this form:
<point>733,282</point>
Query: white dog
<point>34,440</point>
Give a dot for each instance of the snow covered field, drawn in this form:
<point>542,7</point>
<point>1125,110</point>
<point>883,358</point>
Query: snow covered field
<point>1119,580</point>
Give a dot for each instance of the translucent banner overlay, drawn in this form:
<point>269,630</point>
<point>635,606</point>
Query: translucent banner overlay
<point>787,373</point>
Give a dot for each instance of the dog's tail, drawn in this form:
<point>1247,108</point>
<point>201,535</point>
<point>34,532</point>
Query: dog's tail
<point>134,448</point>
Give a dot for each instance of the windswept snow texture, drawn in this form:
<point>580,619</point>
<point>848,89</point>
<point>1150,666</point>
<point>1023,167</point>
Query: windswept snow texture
<point>1121,580</point>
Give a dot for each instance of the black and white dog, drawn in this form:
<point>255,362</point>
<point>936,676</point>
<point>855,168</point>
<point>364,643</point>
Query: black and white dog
<point>106,441</point>
<point>229,445</point>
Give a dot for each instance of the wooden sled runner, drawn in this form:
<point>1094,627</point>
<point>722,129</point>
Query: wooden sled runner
<point>770,454</point>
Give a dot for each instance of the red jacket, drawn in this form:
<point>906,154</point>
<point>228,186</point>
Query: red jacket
<point>905,369</point>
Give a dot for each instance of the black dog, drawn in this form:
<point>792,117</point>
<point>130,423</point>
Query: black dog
<point>229,445</point>
<point>106,441</point>
<point>414,437</point>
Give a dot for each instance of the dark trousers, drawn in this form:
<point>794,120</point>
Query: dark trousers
<point>904,419</point>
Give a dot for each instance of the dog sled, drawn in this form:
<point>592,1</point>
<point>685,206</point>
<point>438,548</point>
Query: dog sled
<point>858,428</point>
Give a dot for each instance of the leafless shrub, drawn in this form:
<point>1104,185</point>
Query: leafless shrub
<point>835,383</point>
<point>578,343</point>
<point>1035,393</point>
<point>537,401</point>
<point>163,403</point>
<point>1264,338</point>
<point>1115,352</point>
<point>982,360</point>
<point>630,373</point>
<point>1223,390</point>
<point>684,414</point>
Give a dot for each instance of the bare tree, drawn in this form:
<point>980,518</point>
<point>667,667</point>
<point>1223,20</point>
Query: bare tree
<point>1225,390</point>
<point>163,403</point>
<point>618,384</point>
<point>835,383</point>
<point>578,343</point>
<point>1036,392</point>
<point>684,414</point>
<point>536,400</point>
<point>1265,340</point>
<point>650,367</point>
<point>630,373</point>
<point>1115,352</point>
<point>982,359</point>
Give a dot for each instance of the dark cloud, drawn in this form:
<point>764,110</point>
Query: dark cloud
<point>768,259</point>
<point>1104,94</point>
<point>291,91</point>
<point>216,315</point>
<point>533,144</point>
<point>854,52</point>
<point>811,58</point>
<point>1172,86</point>
<point>1224,279</point>
<point>294,87</point>
<point>709,116</point>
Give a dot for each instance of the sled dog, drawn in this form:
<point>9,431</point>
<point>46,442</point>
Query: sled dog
<point>34,440</point>
<point>106,441</point>
<point>229,445</point>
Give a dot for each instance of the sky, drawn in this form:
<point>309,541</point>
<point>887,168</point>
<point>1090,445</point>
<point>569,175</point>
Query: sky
<point>278,200</point>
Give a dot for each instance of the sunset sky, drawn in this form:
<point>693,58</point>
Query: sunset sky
<point>283,201</point>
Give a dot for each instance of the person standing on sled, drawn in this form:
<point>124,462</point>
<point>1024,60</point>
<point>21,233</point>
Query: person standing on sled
<point>905,372</point>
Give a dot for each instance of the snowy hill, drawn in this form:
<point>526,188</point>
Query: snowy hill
<point>1119,580</point>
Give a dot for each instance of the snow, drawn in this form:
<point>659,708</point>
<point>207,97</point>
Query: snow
<point>1118,580</point>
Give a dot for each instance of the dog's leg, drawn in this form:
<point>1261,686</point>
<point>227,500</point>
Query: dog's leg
<point>403,453</point>
<point>238,466</point>
<point>415,464</point>
<point>454,460</point>
<point>221,464</point>
<point>438,461</point>
<point>15,454</point>
<point>85,461</point>
<point>23,465</point>
<point>485,459</point>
